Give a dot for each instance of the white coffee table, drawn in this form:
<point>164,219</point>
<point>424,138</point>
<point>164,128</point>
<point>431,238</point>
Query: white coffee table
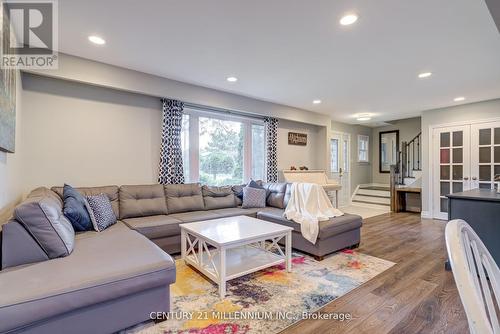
<point>227,248</point>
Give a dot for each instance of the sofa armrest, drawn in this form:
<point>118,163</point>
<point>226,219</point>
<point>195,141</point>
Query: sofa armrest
<point>19,247</point>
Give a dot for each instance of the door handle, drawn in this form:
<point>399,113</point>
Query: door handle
<point>474,178</point>
<point>466,178</point>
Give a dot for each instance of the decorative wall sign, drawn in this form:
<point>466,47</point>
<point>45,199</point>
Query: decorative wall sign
<point>295,138</point>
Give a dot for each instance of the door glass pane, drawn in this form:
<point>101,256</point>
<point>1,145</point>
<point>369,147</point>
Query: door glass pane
<point>346,156</point>
<point>497,170</point>
<point>334,153</point>
<point>497,135</point>
<point>497,154</point>
<point>444,205</point>
<point>445,188</point>
<point>457,172</point>
<point>445,172</point>
<point>445,155</point>
<point>458,187</point>
<point>445,139</point>
<point>485,137</point>
<point>258,152</point>
<point>485,154</point>
<point>458,157</point>
<point>484,185</point>
<point>485,173</point>
<point>458,138</point>
<point>221,151</point>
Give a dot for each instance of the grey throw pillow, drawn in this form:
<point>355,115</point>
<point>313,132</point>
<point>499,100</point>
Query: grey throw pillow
<point>253,198</point>
<point>101,212</point>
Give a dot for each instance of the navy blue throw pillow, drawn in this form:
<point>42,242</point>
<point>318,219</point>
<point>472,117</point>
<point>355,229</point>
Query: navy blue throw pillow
<point>254,184</point>
<point>75,209</point>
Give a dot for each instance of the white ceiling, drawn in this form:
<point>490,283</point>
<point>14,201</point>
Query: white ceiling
<point>294,51</point>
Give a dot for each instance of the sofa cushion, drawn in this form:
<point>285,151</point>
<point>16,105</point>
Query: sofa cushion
<point>184,197</point>
<point>101,212</point>
<point>155,226</point>
<point>110,191</point>
<point>218,197</point>
<point>76,209</point>
<point>254,198</point>
<point>43,218</point>
<point>233,212</point>
<point>194,216</point>
<point>238,193</point>
<point>93,274</point>
<point>275,194</point>
<point>142,200</point>
<point>327,228</point>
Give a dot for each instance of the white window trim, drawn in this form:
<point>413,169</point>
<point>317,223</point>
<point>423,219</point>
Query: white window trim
<point>367,139</point>
<point>194,137</point>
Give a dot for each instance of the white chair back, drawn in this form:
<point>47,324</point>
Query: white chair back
<point>477,277</point>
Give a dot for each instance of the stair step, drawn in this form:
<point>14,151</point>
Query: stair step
<point>371,203</point>
<point>375,188</point>
<point>373,199</point>
<point>374,193</point>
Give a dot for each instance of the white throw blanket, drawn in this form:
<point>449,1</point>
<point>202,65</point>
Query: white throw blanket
<point>309,204</point>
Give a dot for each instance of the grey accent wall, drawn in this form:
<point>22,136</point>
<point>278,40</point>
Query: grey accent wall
<point>467,112</point>
<point>408,129</point>
<point>361,172</point>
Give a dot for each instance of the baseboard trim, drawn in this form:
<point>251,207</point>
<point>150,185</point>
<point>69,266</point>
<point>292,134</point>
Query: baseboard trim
<point>426,215</point>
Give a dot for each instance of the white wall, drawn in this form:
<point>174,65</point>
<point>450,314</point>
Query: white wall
<point>463,113</point>
<point>294,155</point>
<point>408,129</point>
<point>86,135</point>
<point>10,165</point>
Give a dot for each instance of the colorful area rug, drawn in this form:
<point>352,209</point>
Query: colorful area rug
<point>272,298</point>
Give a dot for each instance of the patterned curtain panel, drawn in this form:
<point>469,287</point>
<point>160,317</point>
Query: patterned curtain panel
<point>271,125</point>
<point>171,169</point>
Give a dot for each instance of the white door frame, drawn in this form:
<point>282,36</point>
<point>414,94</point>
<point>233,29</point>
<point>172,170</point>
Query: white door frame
<point>342,135</point>
<point>430,164</point>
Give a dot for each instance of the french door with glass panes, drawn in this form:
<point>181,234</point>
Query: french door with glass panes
<point>466,157</point>
<point>451,165</point>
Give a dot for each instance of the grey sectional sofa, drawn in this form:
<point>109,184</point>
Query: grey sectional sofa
<point>115,278</point>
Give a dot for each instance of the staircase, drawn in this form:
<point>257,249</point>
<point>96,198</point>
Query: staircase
<point>409,165</point>
<point>376,196</point>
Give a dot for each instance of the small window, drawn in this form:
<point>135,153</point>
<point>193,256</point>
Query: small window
<point>334,163</point>
<point>363,143</point>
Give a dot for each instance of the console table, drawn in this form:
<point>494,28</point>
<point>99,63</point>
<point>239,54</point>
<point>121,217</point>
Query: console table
<point>480,208</point>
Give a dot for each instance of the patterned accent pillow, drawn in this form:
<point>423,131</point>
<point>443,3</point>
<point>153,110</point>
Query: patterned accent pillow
<point>253,198</point>
<point>101,212</point>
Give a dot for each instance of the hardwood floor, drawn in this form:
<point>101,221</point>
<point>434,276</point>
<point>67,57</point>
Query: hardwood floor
<point>415,296</point>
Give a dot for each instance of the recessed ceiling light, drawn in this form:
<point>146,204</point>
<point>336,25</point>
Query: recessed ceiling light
<point>459,99</point>
<point>424,75</point>
<point>317,101</point>
<point>363,117</point>
<point>348,19</point>
<point>97,40</point>
<point>232,79</point>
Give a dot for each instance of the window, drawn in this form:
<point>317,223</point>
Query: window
<point>363,142</point>
<point>220,150</point>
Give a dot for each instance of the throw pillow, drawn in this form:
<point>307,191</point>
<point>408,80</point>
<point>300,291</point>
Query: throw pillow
<point>75,209</point>
<point>255,184</point>
<point>102,214</point>
<point>253,198</point>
